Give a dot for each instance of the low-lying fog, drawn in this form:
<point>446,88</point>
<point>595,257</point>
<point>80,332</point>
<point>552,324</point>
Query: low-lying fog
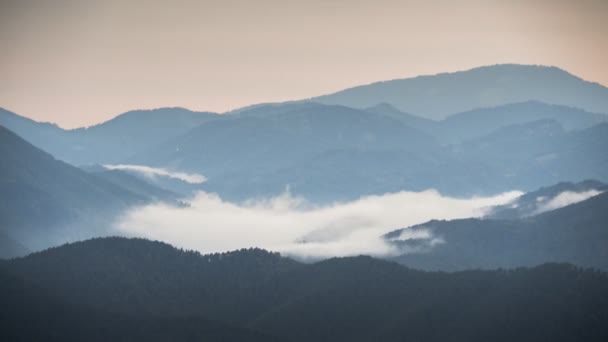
<point>293,226</point>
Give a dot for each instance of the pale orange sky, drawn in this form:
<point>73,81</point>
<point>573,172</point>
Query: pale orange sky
<point>80,62</point>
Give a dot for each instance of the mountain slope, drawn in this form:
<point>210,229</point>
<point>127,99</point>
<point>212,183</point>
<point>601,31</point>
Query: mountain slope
<point>133,276</point>
<point>479,122</point>
<point>114,140</point>
<point>576,233</point>
<point>247,149</point>
<point>476,123</point>
<point>362,299</point>
<point>108,142</point>
<point>348,299</point>
<point>136,185</point>
<point>30,314</point>
<point>41,198</point>
<point>425,125</point>
<point>333,153</point>
<point>528,156</point>
<point>437,96</point>
<point>43,135</point>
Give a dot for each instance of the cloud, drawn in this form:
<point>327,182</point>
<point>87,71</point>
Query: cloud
<point>294,227</point>
<point>413,234</point>
<point>191,178</point>
<point>418,240</point>
<point>564,199</point>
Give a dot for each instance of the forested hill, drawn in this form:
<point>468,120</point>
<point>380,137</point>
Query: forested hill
<point>575,233</point>
<point>340,299</point>
<point>30,314</point>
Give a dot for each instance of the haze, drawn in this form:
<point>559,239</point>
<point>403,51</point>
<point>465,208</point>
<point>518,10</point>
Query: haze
<point>295,226</point>
<point>77,63</point>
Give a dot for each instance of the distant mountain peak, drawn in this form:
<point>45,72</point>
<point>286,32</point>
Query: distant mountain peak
<point>172,113</point>
<point>437,96</point>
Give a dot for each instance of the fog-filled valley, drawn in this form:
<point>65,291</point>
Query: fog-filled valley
<point>378,213</point>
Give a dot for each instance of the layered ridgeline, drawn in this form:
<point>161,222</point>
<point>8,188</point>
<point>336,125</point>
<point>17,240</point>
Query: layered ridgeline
<point>476,132</point>
<point>44,201</point>
<point>481,131</point>
<point>437,96</point>
<point>476,123</point>
<point>329,153</point>
<point>324,153</point>
<point>109,142</point>
<point>117,288</point>
<point>562,223</point>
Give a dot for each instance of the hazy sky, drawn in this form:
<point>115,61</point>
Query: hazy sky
<point>81,62</point>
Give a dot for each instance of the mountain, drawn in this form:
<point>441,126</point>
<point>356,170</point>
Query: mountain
<point>42,199</point>
<point>32,315</point>
<point>437,96</point>
<point>344,299</point>
<point>425,125</point>
<point>330,153</point>
<point>135,276</point>
<point>44,135</point>
<point>334,153</point>
<point>111,141</point>
<point>476,123</point>
<point>575,233</point>
<point>348,174</point>
<point>483,121</point>
<point>246,153</point>
<point>135,185</point>
<point>115,140</point>
<point>527,156</point>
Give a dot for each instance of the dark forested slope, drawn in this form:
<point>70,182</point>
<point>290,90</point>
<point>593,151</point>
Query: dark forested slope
<point>344,299</point>
<point>577,233</point>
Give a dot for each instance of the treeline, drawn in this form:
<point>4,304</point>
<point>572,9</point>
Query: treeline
<point>137,288</point>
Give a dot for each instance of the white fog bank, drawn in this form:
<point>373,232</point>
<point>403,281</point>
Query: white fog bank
<point>564,199</point>
<point>147,171</point>
<point>294,227</point>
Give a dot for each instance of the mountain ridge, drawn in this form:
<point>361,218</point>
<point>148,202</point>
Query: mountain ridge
<point>42,198</point>
<point>574,233</point>
<point>496,85</point>
<point>354,299</point>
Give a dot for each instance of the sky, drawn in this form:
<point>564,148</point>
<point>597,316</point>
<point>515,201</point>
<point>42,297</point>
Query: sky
<point>81,62</point>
